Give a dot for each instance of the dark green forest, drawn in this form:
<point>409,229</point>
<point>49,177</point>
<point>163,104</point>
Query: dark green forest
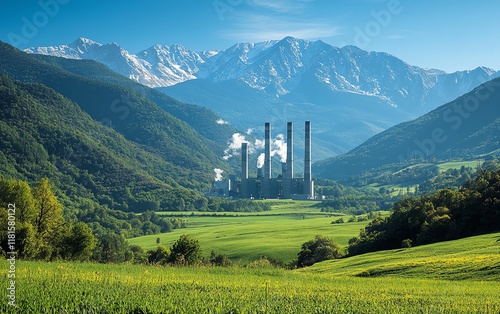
<point>444,215</point>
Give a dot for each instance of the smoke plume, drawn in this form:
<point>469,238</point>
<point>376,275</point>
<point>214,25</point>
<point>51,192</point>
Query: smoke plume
<point>260,160</point>
<point>218,174</point>
<point>234,145</point>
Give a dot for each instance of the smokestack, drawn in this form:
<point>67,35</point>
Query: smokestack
<point>244,169</point>
<point>289,150</point>
<point>244,161</point>
<point>308,184</point>
<point>267,160</point>
<point>307,155</point>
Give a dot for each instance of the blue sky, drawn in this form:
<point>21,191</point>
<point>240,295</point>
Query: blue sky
<point>445,34</point>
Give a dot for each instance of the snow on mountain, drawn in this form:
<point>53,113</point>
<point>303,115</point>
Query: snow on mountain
<point>278,67</point>
<point>154,67</point>
<point>350,93</point>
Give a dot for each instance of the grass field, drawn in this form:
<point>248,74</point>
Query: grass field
<point>450,277</point>
<point>245,237</point>
<point>458,164</point>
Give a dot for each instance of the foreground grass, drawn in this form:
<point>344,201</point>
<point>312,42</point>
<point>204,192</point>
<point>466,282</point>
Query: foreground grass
<point>328,287</point>
<point>245,237</point>
<point>476,258</point>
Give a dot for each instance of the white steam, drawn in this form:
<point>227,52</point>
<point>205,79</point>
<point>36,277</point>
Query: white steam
<point>234,145</point>
<point>259,144</point>
<point>218,174</point>
<point>260,160</point>
<point>278,147</point>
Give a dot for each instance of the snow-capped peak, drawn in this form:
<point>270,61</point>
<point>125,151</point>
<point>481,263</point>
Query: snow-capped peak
<point>276,67</point>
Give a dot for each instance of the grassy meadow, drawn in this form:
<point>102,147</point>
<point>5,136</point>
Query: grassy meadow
<point>450,277</point>
<point>245,237</point>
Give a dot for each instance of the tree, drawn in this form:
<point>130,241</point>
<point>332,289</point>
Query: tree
<point>79,243</point>
<point>48,209</point>
<point>159,256</point>
<point>18,193</point>
<point>186,250</point>
<point>112,248</point>
<point>317,250</point>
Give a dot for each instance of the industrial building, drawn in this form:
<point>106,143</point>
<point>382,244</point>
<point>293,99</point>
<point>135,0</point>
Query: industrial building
<point>264,186</point>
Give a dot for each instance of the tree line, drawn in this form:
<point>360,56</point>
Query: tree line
<point>444,215</point>
<point>44,231</point>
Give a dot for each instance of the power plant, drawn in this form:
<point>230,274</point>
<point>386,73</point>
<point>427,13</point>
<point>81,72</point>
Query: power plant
<point>264,186</point>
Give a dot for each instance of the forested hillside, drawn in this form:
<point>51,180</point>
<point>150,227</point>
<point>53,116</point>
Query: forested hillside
<point>127,112</point>
<point>201,119</point>
<point>443,215</point>
<point>463,129</point>
<point>46,135</point>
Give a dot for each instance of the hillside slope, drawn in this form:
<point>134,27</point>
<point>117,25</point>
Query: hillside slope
<point>126,111</point>
<point>43,134</point>
<point>474,258</point>
<point>199,118</point>
<point>462,129</point>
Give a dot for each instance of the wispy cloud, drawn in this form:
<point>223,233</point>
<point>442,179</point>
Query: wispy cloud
<point>282,6</point>
<point>251,26</point>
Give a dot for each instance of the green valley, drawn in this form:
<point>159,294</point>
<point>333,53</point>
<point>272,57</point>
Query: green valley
<point>244,237</point>
<point>450,277</point>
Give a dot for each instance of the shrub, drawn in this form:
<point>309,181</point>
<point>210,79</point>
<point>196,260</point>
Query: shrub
<point>185,251</point>
<point>406,243</point>
<point>317,250</point>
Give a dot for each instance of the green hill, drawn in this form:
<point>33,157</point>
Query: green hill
<point>201,119</point>
<point>126,111</point>
<point>450,277</point>
<point>464,129</point>
<point>44,134</point>
<point>476,258</point>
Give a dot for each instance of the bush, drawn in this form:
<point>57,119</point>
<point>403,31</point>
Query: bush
<point>185,251</point>
<point>219,259</point>
<point>259,263</point>
<point>406,243</point>
<point>317,250</point>
<point>338,221</point>
<point>159,256</point>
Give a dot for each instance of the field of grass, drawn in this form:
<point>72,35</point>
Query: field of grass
<point>472,258</point>
<point>458,164</point>
<point>450,277</point>
<point>245,237</point>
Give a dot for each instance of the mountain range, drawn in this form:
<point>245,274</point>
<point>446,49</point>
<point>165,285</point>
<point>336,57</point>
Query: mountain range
<point>467,128</point>
<point>349,94</point>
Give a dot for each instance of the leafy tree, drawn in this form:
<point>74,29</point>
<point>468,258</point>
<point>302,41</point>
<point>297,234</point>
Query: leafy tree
<point>79,243</point>
<point>317,250</point>
<point>19,193</point>
<point>159,256</point>
<point>185,250</point>
<point>139,254</point>
<point>49,215</point>
<point>112,248</point>
<point>26,241</point>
